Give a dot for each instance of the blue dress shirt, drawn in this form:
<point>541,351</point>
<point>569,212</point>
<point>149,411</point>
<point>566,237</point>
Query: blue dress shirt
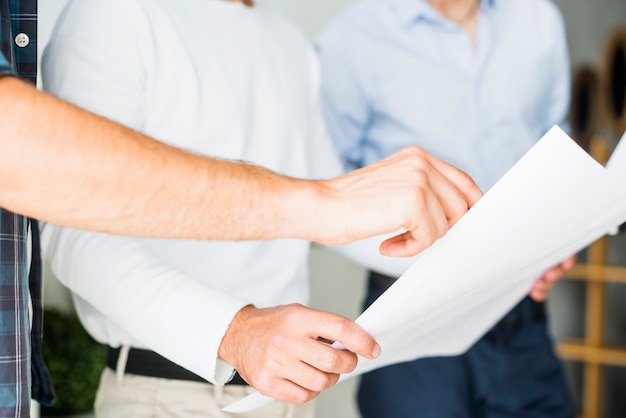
<point>396,72</point>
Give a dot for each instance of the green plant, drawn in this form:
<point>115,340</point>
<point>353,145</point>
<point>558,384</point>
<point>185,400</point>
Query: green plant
<point>75,361</point>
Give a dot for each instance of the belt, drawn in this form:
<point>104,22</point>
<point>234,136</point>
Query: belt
<point>148,363</point>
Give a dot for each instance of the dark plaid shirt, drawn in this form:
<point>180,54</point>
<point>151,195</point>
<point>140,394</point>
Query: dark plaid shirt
<point>18,26</point>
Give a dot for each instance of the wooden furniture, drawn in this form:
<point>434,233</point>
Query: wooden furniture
<point>592,351</point>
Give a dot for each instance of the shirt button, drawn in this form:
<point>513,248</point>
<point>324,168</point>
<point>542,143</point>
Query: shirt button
<point>22,40</point>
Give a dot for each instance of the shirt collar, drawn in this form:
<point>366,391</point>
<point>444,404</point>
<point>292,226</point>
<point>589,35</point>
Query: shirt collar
<point>411,11</point>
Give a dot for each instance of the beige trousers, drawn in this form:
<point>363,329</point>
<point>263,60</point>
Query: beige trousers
<point>132,396</point>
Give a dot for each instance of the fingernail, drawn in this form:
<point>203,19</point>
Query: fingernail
<point>376,351</point>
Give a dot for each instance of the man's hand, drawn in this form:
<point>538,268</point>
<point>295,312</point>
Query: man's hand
<point>542,285</point>
<point>283,351</point>
<point>411,190</point>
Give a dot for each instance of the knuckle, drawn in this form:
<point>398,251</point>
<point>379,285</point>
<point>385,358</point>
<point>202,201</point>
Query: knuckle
<point>271,363</point>
<point>332,379</point>
<point>293,312</point>
<point>279,341</point>
<point>340,325</point>
<point>428,237</point>
<point>320,382</point>
<point>461,207</point>
<point>419,195</point>
<point>265,384</point>
<point>350,362</point>
<point>330,361</point>
<point>465,181</point>
<point>421,176</point>
<point>302,396</point>
<point>414,150</point>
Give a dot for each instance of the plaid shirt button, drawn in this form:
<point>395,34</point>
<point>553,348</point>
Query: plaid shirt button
<point>22,40</point>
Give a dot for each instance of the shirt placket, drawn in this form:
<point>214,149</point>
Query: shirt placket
<point>24,38</point>
<point>23,341</point>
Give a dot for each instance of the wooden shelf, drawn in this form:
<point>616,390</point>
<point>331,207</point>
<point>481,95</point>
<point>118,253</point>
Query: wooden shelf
<point>592,351</point>
<point>598,273</point>
<point>581,352</point>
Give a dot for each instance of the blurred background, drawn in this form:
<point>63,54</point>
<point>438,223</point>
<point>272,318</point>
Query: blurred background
<point>587,309</point>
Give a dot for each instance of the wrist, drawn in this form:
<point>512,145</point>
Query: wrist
<point>308,211</point>
<point>227,350</point>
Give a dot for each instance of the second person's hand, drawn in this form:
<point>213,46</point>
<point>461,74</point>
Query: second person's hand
<point>283,352</point>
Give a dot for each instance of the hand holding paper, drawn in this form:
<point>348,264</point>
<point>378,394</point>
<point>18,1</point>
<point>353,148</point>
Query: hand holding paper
<point>422,194</point>
<point>555,201</point>
<point>278,350</point>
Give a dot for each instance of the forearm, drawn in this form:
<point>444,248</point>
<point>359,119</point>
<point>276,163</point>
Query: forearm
<point>65,165</point>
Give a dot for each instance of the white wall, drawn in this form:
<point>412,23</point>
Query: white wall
<point>337,283</point>
<point>588,23</point>
<point>310,15</point>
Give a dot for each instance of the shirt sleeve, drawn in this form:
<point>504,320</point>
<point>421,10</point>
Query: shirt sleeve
<point>165,309</point>
<point>344,100</point>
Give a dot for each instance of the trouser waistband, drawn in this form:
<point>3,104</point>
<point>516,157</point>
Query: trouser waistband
<point>148,363</point>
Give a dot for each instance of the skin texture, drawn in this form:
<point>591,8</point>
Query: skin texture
<point>77,169</point>
<point>283,351</point>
